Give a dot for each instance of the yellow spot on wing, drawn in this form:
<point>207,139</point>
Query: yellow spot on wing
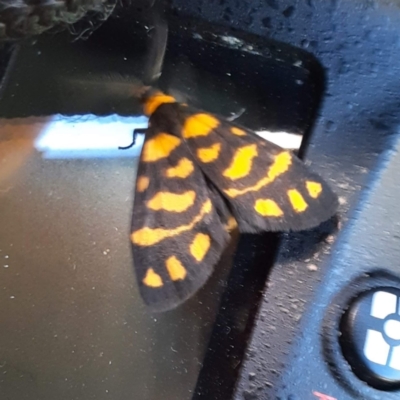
<point>175,269</point>
<point>152,279</point>
<point>159,147</point>
<point>231,224</point>
<point>297,200</point>
<point>172,201</point>
<point>209,154</point>
<point>267,208</point>
<point>153,102</point>
<point>281,164</point>
<point>142,183</point>
<point>200,246</point>
<point>238,131</point>
<point>182,170</point>
<point>314,189</point>
<point>149,236</point>
<point>242,162</point>
<point>199,125</point>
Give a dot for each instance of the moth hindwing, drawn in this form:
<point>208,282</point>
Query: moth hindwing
<point>196,171</point>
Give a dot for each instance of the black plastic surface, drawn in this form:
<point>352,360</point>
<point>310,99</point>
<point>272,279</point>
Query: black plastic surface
<point>68,287</point>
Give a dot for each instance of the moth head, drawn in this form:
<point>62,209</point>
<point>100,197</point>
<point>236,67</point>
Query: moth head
<point>153,98</point>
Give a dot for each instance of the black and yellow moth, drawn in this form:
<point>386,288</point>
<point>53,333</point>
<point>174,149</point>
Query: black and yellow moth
<point>200,176</point>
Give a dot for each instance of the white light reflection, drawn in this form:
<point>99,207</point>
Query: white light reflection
<point>290,141</point>
<point>91,136</point>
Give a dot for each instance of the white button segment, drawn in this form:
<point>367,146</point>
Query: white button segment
<point>383,304</point>
<point>395,358</point>
<point>375,347</point>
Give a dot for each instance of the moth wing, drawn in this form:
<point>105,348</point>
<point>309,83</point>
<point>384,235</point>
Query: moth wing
<point>177,231</point>
<point>267,188</point>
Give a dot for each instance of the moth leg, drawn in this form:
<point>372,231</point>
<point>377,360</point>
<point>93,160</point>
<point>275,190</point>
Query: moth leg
<point>136,132</point>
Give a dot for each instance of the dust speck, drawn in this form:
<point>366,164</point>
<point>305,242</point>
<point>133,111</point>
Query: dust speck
<point>312,267</point>
<point>342,200</point>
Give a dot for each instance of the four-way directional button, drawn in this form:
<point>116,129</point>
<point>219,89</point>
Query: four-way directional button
<point>370,337</point>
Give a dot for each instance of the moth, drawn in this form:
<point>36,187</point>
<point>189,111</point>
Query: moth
<point>200,176</point>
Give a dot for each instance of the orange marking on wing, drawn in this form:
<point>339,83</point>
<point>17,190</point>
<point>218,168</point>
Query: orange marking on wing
<point>242,162</point>
<point>152,279</point>
<point>182,170</point>
<point>175,269</point>
<point>314,189</point>
<point>237,131</point>
<point>281,164</point>
<point>199,125</point>
<point>267,208</point>
<point>142,183</point>
<point>297,200</point>
<point>149,236</point>
<point>199,246</point>
<point>172,202</point>
<point>231,224</point>
<point>209,154</point>
<point>161,146</point>
<point>153,102</point>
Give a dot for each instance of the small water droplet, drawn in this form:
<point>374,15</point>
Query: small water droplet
<point>305,43</point>
<point>273,4</point>
<point>266,22</point>
<point>288,12</point>
<point>330,126</point>
<point>252,375</point>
